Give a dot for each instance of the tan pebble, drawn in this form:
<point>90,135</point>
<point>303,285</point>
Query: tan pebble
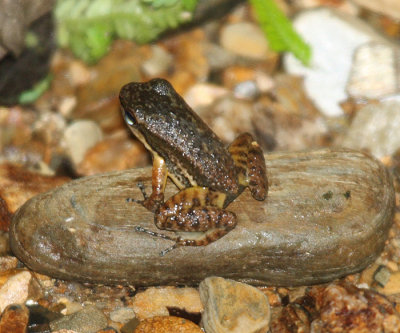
<point>190,62</point>
<point>159,62</point>
<point>80,136</point>
<point>14,319</point>
<point>15,290</point>
<point>233,307</point>
<point>392,286</point>
<point>79,73</point>
<point>367,275</point>
<point>386,7</point>
<point>113,154</point>
<point>7,263</point>
<point>393,266</point>
<point>204,94</point>
<point>122,315</point>
<point>273,297</point>
<point>245,39</point>
<point>167,324</point>
<point>154,301</point>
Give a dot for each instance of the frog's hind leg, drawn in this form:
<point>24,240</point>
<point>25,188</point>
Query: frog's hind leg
<point>198,213</point>
<point>250,163</point>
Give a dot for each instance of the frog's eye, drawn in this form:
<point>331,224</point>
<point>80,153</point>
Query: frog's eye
<point>129,118</point>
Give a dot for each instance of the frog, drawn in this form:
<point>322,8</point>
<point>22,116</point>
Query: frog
<point>208,174</point>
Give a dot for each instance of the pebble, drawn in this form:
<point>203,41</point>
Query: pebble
<point>15,290</point>
<point>218,57</point>
<point>130,326</point>
<point>387,7</point>
<point>326,77</point>
<point>347,308</point>
<point>7,263</point>
<point>245,39</point>
<point>392,285</point>
<point>167,324</point>
<point>233,307</point>
<point>296,124</point>
<point>79,137</point>
<point>375,71</point>
<point>190,62</point>
<point>338,308</point>
<point>159,62</point>
<point>204,94</point>
<point>156,301</point>
<point>113,153</point>
<point>98,99</point>
<point>122,315</point>
<point>246,90</point>
<point>88,320</point>
<point>234,75</point>
<point>14,319</point>
<point>376,129</point>
<point>228,117</point>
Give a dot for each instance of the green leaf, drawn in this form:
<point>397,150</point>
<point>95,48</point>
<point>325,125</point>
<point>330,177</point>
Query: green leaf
<point>29,96</point>
<point>280,33</point>
<point>88,27</point>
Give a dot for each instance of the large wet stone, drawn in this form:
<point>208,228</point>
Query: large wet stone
<point>327,215</point>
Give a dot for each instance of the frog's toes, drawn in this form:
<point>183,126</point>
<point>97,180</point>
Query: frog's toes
<point>168,249</point>
<point>142,189</point>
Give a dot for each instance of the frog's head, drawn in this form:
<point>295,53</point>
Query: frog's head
<point>143,100</point>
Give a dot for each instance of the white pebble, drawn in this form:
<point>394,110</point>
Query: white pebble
<point>333,38</point>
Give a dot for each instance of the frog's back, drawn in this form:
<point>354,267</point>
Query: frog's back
<point>191,150</point>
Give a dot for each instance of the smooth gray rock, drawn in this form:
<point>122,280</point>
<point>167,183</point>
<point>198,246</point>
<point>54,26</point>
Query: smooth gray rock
<point>327,215</point>
<point>88,320</point>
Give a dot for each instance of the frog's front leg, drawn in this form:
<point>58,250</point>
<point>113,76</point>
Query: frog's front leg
<point>158,182</point>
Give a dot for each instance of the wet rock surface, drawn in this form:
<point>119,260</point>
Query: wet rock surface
<point>329,209</point>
